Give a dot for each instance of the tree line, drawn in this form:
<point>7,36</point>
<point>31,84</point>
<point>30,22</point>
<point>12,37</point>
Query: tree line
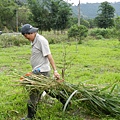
<point>49,15</point>
<point>44,14</point>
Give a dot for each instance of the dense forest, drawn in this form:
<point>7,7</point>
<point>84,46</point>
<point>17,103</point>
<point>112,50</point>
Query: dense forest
<point>89,10</point>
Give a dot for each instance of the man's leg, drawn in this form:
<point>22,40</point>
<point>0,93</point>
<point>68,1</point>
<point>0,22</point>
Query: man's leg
<point>34,99</point>
<point>32,103</point>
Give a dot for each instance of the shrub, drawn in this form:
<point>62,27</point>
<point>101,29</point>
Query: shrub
<point>52,41</point>
<point>99,37</point>
<point>54,38</point>
<point>12,40</point>
<point>105,33</point>
<point>78,32</point>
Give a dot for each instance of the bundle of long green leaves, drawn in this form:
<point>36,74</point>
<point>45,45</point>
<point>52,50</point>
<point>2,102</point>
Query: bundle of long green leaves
<point>105,100</point>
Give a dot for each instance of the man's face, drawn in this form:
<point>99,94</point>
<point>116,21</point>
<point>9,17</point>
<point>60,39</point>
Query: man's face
<point>30,36</point>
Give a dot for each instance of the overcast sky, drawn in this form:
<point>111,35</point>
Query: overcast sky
<point>90,1</point>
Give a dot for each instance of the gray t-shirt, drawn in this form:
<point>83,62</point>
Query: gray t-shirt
<point>40,50</point>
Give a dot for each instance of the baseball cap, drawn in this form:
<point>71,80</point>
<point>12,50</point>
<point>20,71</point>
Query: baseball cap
<point>27,28</point>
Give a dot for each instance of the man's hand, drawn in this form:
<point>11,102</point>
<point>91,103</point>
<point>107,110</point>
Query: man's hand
<point>56,75</point>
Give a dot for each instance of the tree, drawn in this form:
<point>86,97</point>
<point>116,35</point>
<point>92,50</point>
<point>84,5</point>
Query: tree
<point>7,14</point>
<point>23,15</point>
<point>117,27</point>
<point>40,14</point>
<point>78,32</point>
<point>50,14</point>
<point>105,15</point>
<point>91,23</point>
<point>84,22</point>
<point>61,14</point>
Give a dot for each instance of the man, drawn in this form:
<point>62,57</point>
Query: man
<point>40,59</point>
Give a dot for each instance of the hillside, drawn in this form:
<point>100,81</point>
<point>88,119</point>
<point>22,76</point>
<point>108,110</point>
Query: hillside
<point>89,10</point>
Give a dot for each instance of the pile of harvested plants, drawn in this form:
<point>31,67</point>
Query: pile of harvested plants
<point>99,100</point>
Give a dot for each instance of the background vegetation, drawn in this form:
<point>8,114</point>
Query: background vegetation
<point>94,62</point>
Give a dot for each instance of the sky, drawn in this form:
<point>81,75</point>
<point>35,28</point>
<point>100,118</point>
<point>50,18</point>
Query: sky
<point>90,1</point>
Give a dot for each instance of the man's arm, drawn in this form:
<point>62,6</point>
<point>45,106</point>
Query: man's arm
<point>51,60</point>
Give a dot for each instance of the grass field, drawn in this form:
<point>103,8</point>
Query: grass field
<point>93,62</point>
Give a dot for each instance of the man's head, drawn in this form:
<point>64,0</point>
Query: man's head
<point>28,29</point>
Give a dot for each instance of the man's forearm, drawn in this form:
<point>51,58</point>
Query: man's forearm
<point>51,60</point>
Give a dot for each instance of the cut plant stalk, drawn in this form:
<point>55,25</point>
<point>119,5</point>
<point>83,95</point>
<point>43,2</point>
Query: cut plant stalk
<point>95,99</point>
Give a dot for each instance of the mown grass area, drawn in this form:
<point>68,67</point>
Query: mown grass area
<point>93,62</point>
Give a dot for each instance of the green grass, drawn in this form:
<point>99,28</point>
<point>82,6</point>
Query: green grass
<point>93,62</point>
